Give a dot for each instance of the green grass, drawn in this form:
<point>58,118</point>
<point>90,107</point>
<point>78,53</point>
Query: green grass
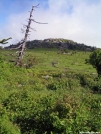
<point>49,100</point>
<point>75,62</point>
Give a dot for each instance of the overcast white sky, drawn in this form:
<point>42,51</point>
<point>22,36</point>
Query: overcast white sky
<point>78,20</point>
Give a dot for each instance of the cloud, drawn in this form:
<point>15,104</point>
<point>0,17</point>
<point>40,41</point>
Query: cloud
<point>76,20</point>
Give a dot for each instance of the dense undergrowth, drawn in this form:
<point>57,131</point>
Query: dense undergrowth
<point>36,100</point>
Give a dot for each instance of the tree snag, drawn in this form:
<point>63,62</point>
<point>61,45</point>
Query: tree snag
<point>23,43</point>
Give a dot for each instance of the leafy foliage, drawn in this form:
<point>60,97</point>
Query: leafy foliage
<point>3,41</point>
<point>95,60</point>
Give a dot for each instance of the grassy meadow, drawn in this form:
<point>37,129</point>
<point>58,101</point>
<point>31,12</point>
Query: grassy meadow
<point>51,93</point>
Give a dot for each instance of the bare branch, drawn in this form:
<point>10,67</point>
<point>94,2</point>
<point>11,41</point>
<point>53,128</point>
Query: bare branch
<point>28,27</point>
<point>27,33</point>
<point>38,22</point>
<point>25,25</point>
<point>32,29</point>
<point>36,6</point>
<point>20,45</point>
<point>26,20</point>
<point>16,47</point>
<point>23,31</point>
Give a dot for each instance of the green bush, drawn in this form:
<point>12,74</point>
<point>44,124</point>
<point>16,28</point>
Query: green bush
<point>7,127</point>
<point>97,86</point>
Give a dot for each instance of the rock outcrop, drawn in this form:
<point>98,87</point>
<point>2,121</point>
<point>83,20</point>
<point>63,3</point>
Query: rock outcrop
<point>55,43</point>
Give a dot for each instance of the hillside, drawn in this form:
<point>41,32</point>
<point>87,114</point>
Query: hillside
<point>45,99</point>
<point>55,43</point>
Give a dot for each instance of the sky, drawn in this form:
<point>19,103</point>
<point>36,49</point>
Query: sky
<point>77,20</point>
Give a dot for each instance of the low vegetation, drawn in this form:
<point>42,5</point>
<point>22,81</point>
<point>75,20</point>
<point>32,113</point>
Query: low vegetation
<point>95,61</point>
<point>38,98</point>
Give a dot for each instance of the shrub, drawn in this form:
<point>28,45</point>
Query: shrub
<point>7,127</point>
<point>31,61</point>
<point>97,86</point>
<point>95,60</point>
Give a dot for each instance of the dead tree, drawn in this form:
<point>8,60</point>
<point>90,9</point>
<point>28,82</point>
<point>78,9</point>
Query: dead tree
<point>22,45</point>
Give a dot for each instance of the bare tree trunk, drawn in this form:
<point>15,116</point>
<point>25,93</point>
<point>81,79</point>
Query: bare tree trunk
<point>20,55</point>
<point>23,44</point>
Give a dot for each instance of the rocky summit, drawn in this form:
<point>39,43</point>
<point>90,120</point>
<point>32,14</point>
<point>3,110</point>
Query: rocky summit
<point>54,43</point>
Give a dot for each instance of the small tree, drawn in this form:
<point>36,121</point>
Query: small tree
<point>3,41</point>
<point>95,60</point>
